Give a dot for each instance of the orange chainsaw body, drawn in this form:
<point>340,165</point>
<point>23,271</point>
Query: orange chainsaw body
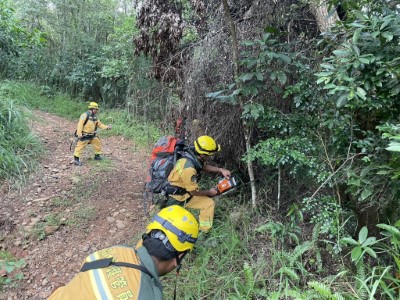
<point>226,184</point>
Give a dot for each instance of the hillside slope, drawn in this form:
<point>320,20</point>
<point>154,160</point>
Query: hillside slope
<point>65,212</point>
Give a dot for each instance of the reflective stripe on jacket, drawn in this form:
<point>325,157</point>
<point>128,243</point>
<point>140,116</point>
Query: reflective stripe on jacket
<point>184,175</point>
<point>119,283</point>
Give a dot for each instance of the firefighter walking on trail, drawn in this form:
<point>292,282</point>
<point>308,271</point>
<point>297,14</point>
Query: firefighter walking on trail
<point>185,175</point>
<point>123,272</point>
<point>86,133</point>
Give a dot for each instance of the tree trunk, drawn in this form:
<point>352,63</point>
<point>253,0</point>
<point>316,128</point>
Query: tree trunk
<point>247,131</point>
<point>319,9</point>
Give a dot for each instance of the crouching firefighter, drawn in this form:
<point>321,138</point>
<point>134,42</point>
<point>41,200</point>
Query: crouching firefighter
<point>86,133</point>
<point>123,272</point>
<point>182,188</point>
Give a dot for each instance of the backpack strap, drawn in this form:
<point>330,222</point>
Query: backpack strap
<point>189,154</point>
<point>106,262</point>
<point>94,118</point>
<point>87,118</point>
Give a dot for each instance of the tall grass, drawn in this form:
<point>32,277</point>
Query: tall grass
<point>19,148</point>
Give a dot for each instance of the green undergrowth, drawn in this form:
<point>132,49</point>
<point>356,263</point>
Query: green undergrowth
<point>19,148</point>
<point>250,255</point>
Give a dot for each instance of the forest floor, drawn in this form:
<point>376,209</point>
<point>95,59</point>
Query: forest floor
<point>66,212</point>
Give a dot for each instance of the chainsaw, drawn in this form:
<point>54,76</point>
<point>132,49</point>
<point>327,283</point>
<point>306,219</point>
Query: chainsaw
<point>226,185</point>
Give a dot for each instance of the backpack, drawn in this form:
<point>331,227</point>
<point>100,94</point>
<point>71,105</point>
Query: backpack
<point>166,151</point>
<point>164,155</point>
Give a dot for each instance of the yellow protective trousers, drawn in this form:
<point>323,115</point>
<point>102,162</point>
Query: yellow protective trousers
<point>205,205</point>
<point>81,145</point>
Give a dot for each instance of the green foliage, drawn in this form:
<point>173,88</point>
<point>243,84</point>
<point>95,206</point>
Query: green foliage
<point>246,288</point>
<point>87,52</point>
<point>264,70</point>
<point>35,97</point>
<point>362,246</point>
<point>378,280</point>
<point>362,73</point>
<point>362,78</point>
<point>19,148</point>
<point>221,266</point>
<point>324,292</point>
<point>12,268</point>
<point>280,232</point>
<point>14,37</point>
<point>324,211</point>
<point>391,132</point>
<point>296,152</point>
<point>392,232</point>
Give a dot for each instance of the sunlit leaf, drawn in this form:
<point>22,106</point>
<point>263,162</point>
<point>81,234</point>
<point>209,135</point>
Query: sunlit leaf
<point>350,241</point>
<point>340,52</point>
<point>393,146</point>
<point>361,93</point>
<point>356,253</point>
<point>371,252</point>
<point>363,234</point>
<point>342,100</point>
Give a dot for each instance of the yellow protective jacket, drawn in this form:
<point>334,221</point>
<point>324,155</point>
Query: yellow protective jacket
<point>90,127</point>
<point>184,175</point>
<point>115,282</point>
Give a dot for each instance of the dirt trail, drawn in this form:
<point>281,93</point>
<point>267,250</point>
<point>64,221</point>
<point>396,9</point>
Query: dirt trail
<point>75,210</point>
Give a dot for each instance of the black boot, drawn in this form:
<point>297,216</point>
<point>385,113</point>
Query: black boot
<point>97,157</point>
<point>77,162</point>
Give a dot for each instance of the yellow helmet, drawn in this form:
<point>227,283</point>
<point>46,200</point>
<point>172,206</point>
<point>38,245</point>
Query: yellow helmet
<point>179,225</point>
<point>206,145</point>
<point>93,105</point>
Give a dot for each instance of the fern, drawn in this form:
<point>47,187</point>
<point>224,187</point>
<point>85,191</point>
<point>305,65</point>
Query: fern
<point>289,272</point>
<point>321,288</point>
<point>361,279</point>
<point>316,232</point>
<point>245,289</point>
<point>294,294</point>
<point>337,296</point>
<point>299,251</point>
<point>249,279</point>
<point>315,237</point>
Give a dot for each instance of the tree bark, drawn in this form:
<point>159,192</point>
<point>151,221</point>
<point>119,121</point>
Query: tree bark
<point>247,131</point>
<point>319,9</point>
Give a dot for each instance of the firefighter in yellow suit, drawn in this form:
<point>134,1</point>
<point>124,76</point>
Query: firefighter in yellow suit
<point>186,174</point>
<point>123,272</point>
<point>86,133</point>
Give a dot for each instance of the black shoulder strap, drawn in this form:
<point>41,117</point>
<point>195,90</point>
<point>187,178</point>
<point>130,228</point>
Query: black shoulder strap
<point>188,153</point>
<point>87,118</point>
<point>106,262</point>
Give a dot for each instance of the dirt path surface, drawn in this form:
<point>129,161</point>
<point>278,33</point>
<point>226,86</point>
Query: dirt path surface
<point>66,212</point>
